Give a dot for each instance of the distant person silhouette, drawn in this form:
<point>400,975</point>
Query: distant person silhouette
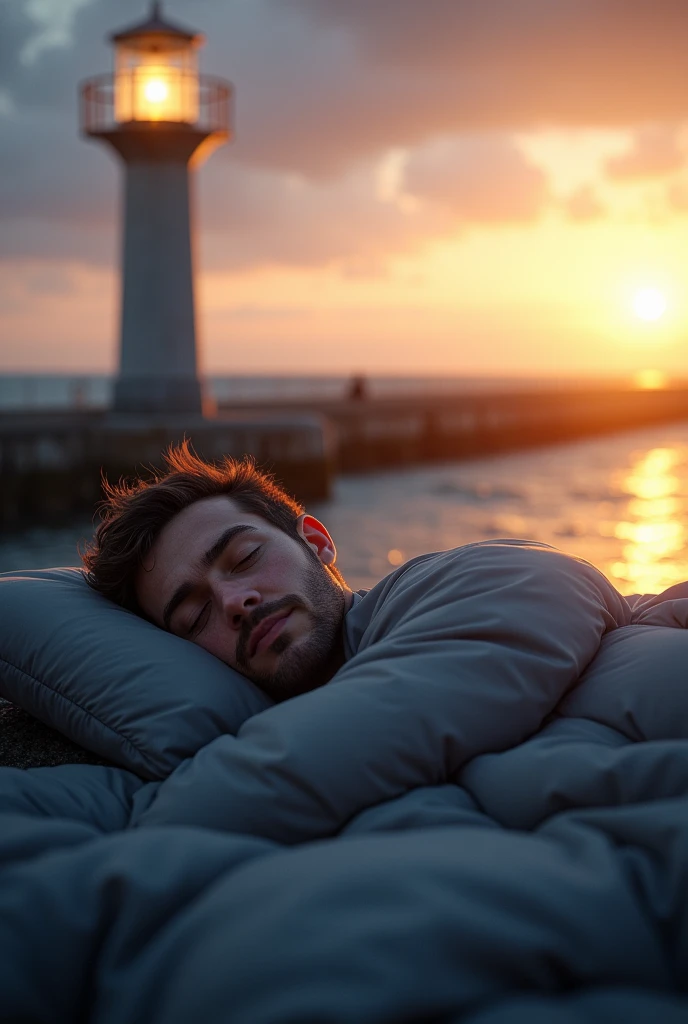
<point>358,389</point>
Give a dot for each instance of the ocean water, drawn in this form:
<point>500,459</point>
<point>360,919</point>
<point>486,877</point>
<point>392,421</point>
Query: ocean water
<point>621,502</point>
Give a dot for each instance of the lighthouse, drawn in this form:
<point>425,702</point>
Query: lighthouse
<point>163,119</point>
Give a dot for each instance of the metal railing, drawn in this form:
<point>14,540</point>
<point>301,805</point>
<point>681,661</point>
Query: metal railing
<point>104,97</point>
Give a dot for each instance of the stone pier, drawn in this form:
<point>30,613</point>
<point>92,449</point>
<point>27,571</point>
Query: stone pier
<point>51,463</point>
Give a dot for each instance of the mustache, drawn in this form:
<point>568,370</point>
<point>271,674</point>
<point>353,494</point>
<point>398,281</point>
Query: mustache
<point>263,612</point>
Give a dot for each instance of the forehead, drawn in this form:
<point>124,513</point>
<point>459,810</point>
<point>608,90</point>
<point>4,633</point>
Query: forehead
<point>182,542</point>
<point>190,531</point>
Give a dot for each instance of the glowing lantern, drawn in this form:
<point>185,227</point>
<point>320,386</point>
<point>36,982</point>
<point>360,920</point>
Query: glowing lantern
<point>156,72</point>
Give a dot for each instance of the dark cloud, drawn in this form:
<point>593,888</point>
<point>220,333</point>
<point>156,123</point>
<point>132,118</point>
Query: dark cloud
<point>654,152</point>
<point>521,63</point>
<point>47,172</point>
<point>16,29</point>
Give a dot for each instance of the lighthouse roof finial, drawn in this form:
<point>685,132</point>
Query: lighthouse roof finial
<point>156,24</point>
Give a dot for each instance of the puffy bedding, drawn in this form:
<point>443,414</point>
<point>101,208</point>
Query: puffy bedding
<point>483,817</point>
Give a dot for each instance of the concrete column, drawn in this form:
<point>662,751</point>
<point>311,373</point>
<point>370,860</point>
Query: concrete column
<point>158,366</point>
<point>158,370</point>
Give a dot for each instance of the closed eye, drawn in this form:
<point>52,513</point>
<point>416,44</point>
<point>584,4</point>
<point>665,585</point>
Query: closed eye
<point>196,627</point>
<point>248,561</point>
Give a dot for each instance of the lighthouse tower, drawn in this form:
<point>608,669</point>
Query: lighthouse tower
<point>163,119</point>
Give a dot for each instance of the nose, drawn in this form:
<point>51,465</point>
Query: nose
<point>237,601</point>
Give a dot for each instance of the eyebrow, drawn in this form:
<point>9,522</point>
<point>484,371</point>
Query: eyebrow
<point>211,555</point>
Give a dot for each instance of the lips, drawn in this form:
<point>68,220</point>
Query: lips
<point>272,622</point>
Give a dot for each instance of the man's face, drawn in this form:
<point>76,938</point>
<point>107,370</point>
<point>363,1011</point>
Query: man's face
<point>261,601</point>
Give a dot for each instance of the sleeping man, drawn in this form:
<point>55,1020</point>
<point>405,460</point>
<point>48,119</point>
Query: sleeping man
<point>223,557</point>
<point>453,655</point>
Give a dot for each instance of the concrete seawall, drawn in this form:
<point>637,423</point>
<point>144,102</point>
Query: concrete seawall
<point>384,432</point>
<point>51,463</point>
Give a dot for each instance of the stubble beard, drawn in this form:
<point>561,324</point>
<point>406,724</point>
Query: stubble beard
<point>304,663</point>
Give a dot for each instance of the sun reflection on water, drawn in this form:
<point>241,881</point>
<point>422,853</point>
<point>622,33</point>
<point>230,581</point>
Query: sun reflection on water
<point>654,556</point>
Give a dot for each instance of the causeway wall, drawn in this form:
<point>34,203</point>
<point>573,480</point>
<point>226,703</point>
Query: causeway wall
<point>51,463</point>
<point>374,433</point>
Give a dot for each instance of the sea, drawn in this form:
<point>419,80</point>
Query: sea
<point>619,501</point>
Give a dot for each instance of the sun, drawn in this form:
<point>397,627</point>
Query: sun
<point>649,304</point>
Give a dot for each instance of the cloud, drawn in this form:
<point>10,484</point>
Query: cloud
<point>322,84</point>
<point>356,221</point>
<point>584,205</point>
<point>260,218</point>
<point>677,196</point>
<point>478,179</point>
<point>54,26</point>
<point>396,73</point>
<point>325,91</point>
<point>655,151</point>
<point>524,62</point>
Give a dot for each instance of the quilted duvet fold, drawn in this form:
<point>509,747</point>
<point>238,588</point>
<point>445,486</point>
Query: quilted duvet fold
<point>459,654</point>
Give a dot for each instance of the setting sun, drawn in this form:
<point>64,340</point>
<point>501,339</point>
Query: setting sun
<point>649,304</point>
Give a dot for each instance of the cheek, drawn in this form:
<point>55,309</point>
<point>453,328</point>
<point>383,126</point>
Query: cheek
<point>285,569</point>
<point>220,643</point>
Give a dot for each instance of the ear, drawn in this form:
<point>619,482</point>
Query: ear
<point>312,531</point>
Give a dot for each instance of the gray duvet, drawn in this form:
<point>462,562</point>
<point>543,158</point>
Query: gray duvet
<point>482,818</point>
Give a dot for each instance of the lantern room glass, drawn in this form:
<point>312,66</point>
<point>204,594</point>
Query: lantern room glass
<point>156,79</point>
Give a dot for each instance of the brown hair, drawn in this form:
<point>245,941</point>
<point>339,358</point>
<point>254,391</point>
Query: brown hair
<point>134,513</point>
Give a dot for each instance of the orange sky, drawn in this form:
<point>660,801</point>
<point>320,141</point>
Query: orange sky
<point>454,195</point>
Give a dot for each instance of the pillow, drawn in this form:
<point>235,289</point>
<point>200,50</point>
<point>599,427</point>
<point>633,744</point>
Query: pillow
<point>110,681</point>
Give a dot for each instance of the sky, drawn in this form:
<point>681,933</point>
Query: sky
<point>437,187</point>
